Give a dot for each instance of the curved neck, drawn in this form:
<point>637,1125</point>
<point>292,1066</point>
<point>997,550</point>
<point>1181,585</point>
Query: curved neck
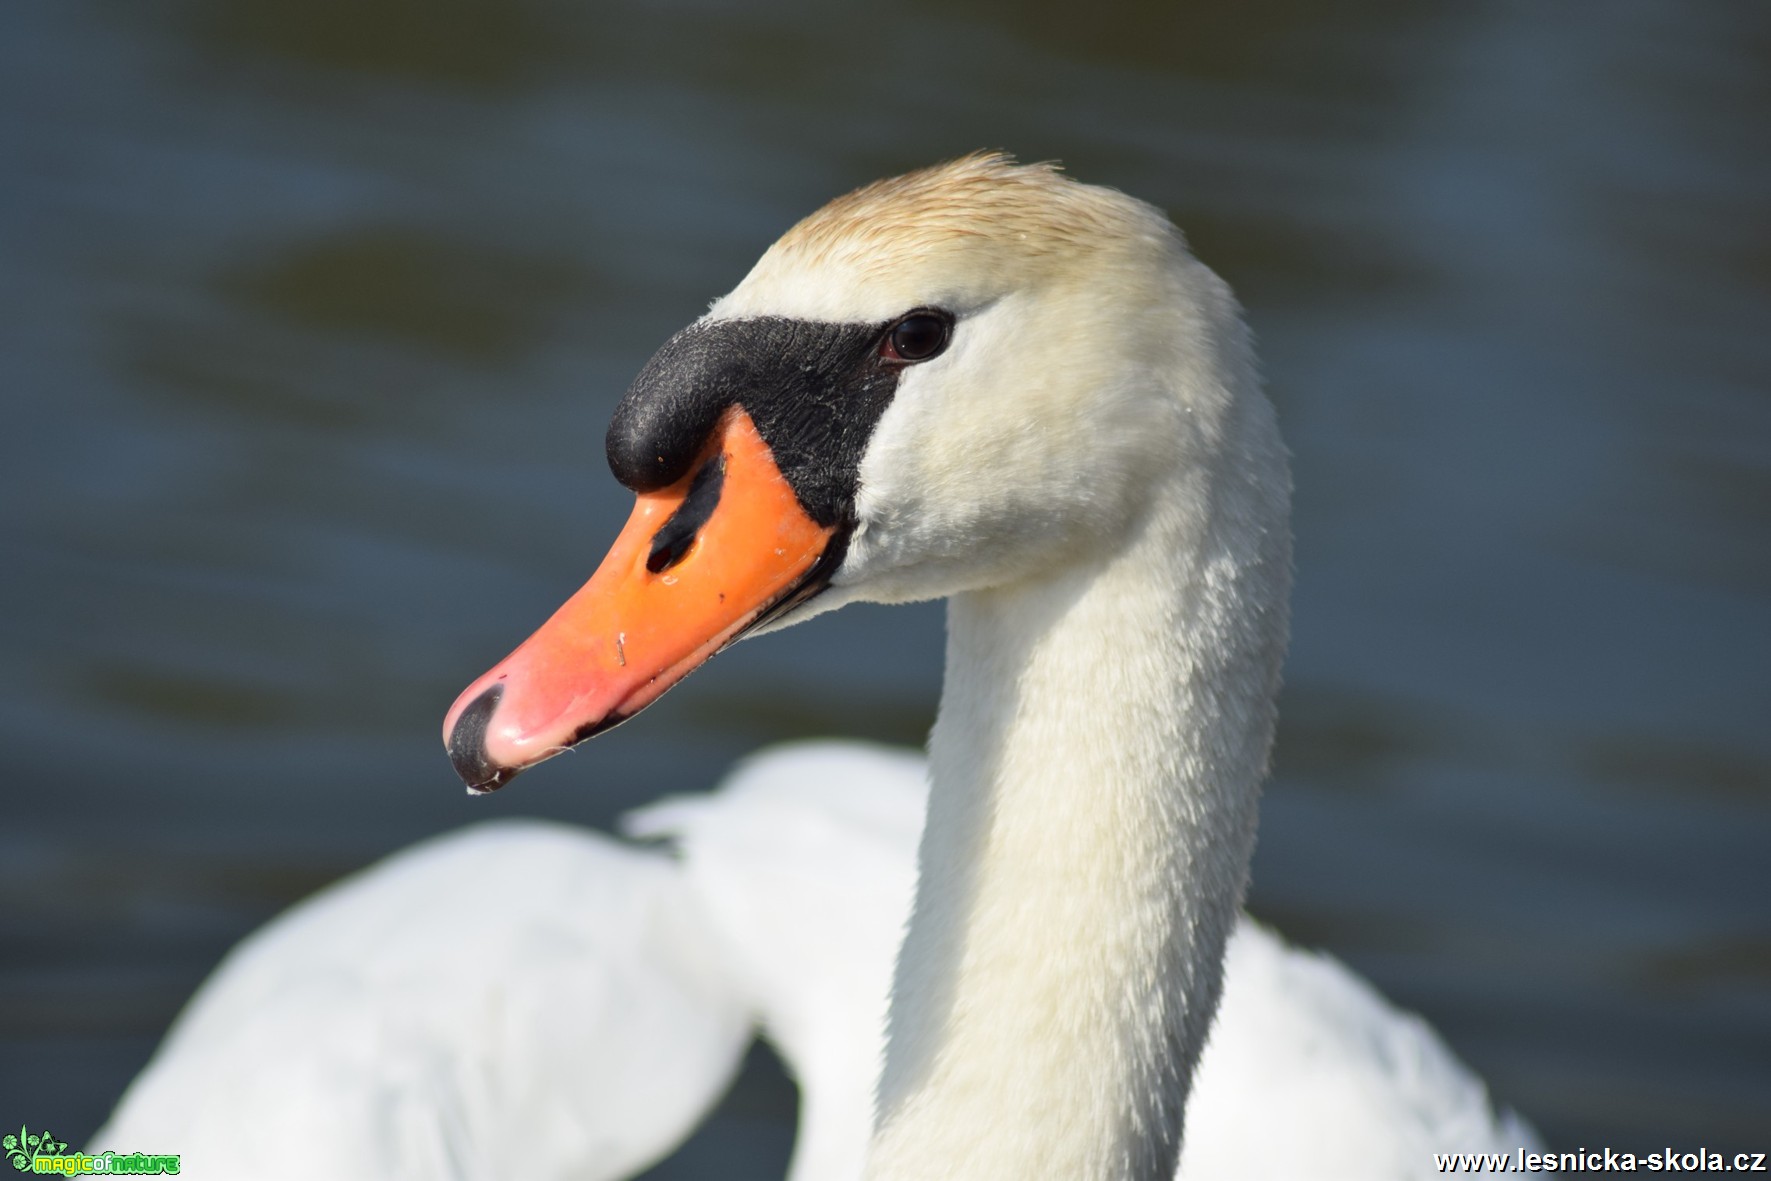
<point>1096,767</point>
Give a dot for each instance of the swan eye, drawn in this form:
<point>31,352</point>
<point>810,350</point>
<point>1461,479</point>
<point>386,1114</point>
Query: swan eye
<point>917,337</point>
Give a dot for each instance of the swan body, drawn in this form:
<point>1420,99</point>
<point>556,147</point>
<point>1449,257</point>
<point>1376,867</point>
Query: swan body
<point>987,383</point>
<point>584,1024</point>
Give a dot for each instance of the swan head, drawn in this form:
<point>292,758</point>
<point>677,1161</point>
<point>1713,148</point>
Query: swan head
<point>942,382</point>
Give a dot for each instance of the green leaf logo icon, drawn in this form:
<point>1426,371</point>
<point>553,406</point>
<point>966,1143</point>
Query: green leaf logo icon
<point>23,1149</point>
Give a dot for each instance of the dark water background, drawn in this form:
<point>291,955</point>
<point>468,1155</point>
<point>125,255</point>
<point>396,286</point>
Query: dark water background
<point>312,313</point>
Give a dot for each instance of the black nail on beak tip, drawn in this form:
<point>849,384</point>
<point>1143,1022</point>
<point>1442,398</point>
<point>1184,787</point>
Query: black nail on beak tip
<point>467,745</point>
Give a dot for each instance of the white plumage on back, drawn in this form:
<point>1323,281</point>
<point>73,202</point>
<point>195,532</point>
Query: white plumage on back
<point>517,993</point>
<point>524,1000</point>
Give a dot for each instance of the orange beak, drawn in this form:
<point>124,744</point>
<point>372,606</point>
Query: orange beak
<point>697,564</point>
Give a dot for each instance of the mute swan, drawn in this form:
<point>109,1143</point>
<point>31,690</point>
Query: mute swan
<point>521,1000</point>
<point>981,381</point>
<point>987,383</point>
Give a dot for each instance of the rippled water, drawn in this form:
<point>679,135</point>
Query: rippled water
<point>313,313</point>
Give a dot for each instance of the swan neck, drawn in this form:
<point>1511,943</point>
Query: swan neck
<point>1096,767</point>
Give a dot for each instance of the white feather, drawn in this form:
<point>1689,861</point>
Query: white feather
<point>518,1000</point>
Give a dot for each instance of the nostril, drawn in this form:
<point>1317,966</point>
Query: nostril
<point>467,745</point>
<point>671,543</point>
